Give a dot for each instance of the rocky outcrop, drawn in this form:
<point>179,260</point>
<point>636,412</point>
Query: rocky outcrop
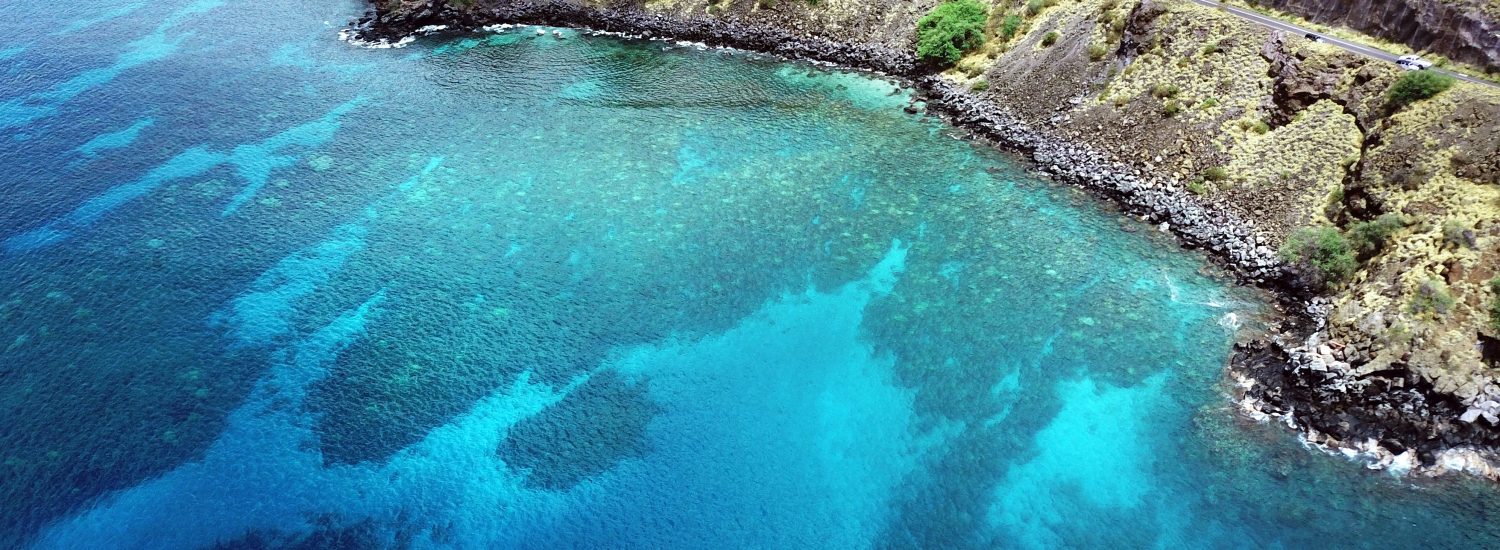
<point>392,26</point>
<point>1226,235</point>
<point>1462,30</point>
<point>1394,417</point>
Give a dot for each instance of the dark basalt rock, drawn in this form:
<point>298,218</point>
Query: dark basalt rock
<point>1459,30</point>
<point>383,25</point>
<point>1394,407</point>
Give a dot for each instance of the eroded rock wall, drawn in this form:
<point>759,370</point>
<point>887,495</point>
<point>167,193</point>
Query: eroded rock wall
<point>1462,30</point>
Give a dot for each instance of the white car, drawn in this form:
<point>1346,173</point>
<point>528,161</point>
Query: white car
<point>1413,62</point>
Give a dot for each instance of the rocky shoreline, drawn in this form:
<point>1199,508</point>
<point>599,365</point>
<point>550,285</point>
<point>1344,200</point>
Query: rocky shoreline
<point>1392,419</point>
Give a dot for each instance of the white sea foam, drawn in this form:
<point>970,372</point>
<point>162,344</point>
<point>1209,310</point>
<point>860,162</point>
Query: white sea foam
<point>1230,321</point>
<point>348,35</point>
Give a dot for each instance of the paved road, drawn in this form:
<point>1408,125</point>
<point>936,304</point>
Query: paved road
<point>1350,46</point>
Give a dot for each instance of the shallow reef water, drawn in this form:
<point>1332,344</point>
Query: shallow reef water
<point>263,288</point>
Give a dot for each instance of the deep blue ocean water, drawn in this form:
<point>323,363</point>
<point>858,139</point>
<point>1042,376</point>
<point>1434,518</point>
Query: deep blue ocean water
<point>262,288</point>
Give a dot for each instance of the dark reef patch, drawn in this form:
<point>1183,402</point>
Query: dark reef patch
<point>326,536</point>
<point>584,434</point>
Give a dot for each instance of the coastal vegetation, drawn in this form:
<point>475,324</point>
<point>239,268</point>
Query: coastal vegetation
<point>1171,107</point>
<point>949,30</point>
<point>1332,256</point>
<point>1323,253</point>
<point>1495,303</point>
<point>1432,297</point>
<point>1097,52</point>
<point>1415,86</point>
<point>1369,237</point>
<point>1009,26</point>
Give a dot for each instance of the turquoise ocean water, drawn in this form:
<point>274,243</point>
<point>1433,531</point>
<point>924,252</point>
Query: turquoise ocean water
<point>261,288</point>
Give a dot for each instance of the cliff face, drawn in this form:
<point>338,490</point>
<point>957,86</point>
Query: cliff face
<point>1462,30</point>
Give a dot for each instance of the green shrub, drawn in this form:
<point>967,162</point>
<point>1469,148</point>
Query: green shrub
<point>1217,173</point>
<point>1034,7</point>
<point>1009,26</point>
<point>1458,234</point>
<point>1213,48</point>
<point>949,30</point>
<point>1196,187</point>
<point>1097,51</point>
<point>1209,103</point>
<point>1370,237</point>
<point>1432,297</point>
<point>1321,252</point>
<point>980,85</point>
<point>1050,38</point>
<point>1165,90</point>
<point>1171,108</point>
<point>1415,86</point>
<point>1495,303</point>
<point>1257,126</point>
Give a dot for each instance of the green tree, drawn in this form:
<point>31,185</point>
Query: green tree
<point>1415,86</point>
<point>1321,252</point>
<point>949,30</point>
